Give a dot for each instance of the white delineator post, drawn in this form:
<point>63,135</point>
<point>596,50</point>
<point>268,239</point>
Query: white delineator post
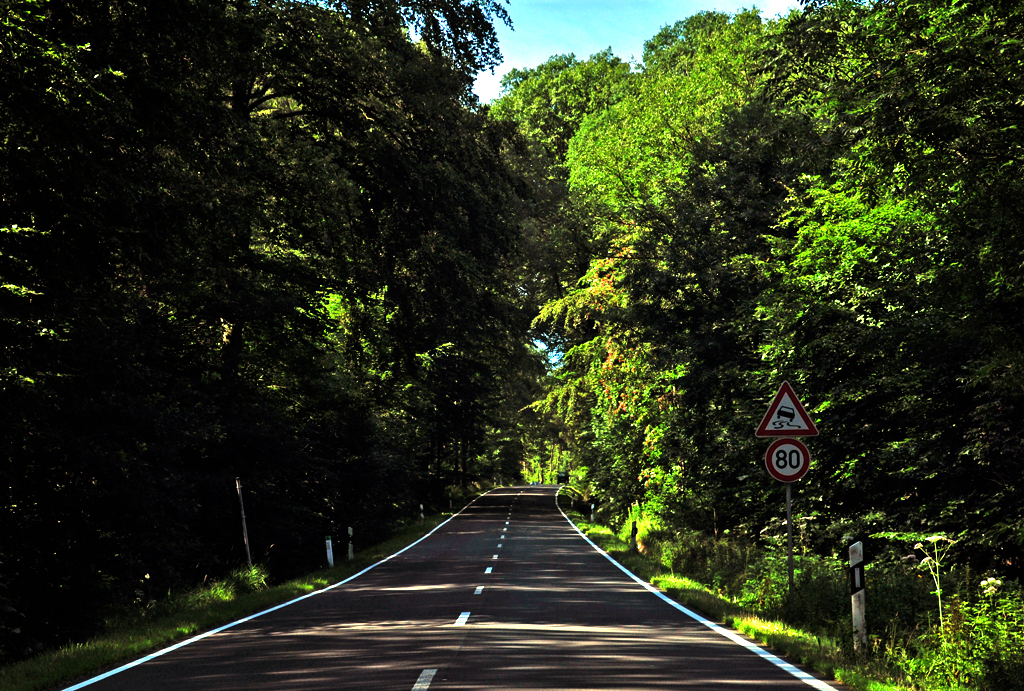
<point>421,513</point>
<point>330,553</point>
<point>351,551</point>
<point>860,630</point>
<point>591,513</point>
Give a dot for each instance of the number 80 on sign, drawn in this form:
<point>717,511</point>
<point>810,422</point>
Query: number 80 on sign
<point>787,460</point>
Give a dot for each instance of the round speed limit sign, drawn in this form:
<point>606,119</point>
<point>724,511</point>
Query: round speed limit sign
<point>787,460</point>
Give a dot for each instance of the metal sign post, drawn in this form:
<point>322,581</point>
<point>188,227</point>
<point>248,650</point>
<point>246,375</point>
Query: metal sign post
<point>789,534</point>
<point>787,459</point>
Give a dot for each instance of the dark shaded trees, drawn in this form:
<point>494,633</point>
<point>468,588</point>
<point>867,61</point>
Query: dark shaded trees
<point>231,234</point>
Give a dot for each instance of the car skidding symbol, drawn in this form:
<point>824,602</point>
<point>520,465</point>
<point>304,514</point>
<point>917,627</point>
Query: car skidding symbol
<point>786,412</point>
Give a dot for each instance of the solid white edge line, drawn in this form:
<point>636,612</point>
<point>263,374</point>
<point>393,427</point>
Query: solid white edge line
<point>735,638</point>
<point>164,651</point>
<point>423,683</point>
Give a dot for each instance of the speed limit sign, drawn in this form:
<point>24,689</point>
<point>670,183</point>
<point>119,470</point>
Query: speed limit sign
<point>787,460</point>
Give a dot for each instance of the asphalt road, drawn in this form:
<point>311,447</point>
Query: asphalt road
<point>507,595</point>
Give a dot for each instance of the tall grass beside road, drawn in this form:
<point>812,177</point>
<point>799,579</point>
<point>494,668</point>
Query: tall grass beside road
<point>978,647</point>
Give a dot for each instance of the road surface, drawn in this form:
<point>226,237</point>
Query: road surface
<point>507,595</point>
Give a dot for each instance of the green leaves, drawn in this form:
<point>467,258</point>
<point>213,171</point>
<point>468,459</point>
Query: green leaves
<point>247,221</point>
<point>827,199</point>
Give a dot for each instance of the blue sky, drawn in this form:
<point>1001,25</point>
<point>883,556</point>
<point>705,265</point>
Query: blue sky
<point>550,27</point>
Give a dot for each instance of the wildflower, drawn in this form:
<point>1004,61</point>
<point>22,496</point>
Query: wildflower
<point>991,585</point>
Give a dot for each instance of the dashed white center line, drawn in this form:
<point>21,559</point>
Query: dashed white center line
<point>461,621</point>
<point>494,557</point>
<point>502,537</point>
<point>499,545</point>
<point>479,590</point>
<point>488,569</point>
<point>506,522</point>
<point>423,683</point>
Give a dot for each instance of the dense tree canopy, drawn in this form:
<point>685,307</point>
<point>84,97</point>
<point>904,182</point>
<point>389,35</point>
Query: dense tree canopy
<point>256,239</point>
<point>828,199</point>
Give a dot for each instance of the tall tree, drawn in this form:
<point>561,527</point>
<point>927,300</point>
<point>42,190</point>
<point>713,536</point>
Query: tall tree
<point>185,187</point>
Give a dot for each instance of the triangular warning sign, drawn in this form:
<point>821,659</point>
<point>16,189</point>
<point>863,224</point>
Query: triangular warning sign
<point>786,417</point>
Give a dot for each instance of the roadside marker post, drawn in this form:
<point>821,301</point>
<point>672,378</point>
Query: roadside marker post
<point>330,553</point>
<point>351,551</point>
<point>857,585</point>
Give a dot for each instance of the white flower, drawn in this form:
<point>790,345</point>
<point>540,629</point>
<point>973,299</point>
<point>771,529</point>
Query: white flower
<point>991,585</point>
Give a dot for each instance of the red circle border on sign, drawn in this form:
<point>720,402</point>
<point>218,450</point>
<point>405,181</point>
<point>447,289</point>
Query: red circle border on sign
<point>771,468</point>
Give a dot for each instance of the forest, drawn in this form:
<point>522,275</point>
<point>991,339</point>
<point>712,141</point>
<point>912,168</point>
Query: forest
<point>282,241</point>
<point>831,199</point>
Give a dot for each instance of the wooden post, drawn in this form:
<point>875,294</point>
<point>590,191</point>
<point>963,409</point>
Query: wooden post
<point>245,531</point>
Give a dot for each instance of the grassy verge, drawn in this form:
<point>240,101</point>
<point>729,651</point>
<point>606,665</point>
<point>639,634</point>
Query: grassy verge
<point>188,615</point>
<point>823,655</point>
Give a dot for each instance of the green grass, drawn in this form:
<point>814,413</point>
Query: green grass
<point>187,615</point>
<point>821,654</point>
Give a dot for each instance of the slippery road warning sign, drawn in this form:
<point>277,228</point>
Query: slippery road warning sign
<point>786,417</point>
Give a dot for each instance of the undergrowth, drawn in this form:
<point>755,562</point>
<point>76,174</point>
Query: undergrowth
<point>241,593</point>
<point>979,645</point>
